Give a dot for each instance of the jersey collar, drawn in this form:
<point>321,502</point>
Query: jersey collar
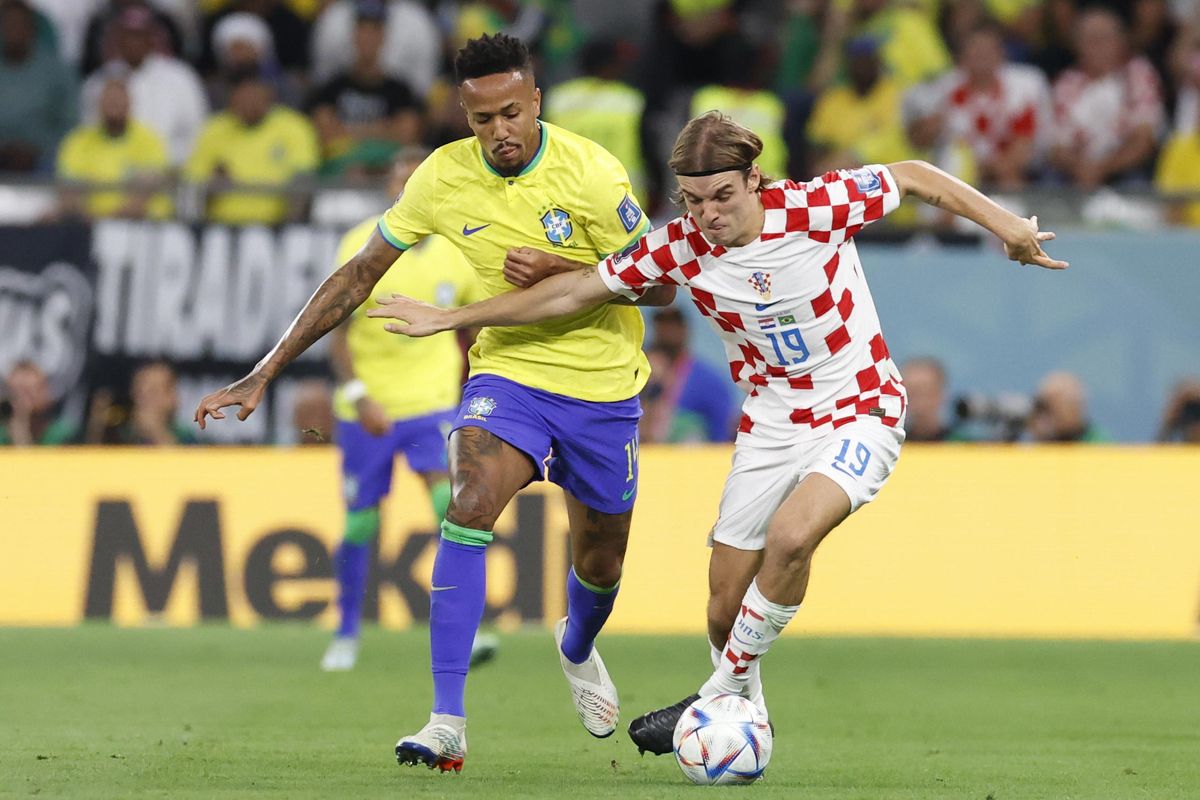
<point>530,165</point>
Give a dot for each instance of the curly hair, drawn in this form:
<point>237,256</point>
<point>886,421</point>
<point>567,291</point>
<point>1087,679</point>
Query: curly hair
<point>491,55</point>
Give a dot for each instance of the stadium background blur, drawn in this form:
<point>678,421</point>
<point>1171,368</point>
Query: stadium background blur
<point>1087,113</point>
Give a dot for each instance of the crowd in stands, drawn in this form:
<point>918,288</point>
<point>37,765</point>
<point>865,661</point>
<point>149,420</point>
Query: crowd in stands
<point>687,401</point>
<point>139,95</point>
<point>240,107</point>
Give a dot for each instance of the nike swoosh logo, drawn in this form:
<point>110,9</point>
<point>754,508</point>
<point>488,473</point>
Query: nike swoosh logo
<point>765,306</point>
<point>628,494</point>
<point>468,231</point>
<point>441,588</point>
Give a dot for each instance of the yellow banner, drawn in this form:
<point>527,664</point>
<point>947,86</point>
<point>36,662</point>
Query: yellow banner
<point>981,541</point>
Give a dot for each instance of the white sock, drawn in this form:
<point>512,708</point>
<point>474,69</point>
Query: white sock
<point>754,683</point>
<point>758,624</point>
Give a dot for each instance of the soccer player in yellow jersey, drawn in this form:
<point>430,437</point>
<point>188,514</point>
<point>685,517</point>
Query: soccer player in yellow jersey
<point>391,400</point>
<point>522,199</point>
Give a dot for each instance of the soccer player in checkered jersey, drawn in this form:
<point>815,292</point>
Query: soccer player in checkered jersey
<point>773,266</point>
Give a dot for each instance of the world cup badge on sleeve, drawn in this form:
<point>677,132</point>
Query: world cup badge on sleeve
<point>866,180</point>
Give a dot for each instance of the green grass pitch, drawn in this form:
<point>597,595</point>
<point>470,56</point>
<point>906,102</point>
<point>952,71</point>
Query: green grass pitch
<point>217,712</point>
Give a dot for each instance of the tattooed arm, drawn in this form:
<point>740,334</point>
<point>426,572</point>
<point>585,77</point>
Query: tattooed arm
<point>555,296</point>
<point>334,300</point>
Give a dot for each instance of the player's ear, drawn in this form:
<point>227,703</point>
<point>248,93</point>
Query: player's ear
<point>537,101</point>
<point>754,179</point>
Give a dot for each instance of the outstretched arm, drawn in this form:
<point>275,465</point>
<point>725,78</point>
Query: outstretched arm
<point>551,297</point>
<point>1021,237</point>
<point>525,266</point>
<point>334,300</point>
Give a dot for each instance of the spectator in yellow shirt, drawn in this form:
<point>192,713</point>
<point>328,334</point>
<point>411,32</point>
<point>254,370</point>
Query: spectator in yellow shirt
<point>910,45</point>
<point>122,154</point>
<point>257,144</point>
<point>1179,173</point>
<point>859,122</point>
<point>742,93</point>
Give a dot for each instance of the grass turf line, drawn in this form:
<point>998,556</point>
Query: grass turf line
<point>216,712</point>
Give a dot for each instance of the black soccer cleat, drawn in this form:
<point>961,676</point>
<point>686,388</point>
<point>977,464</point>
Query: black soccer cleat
<point>652,732</point>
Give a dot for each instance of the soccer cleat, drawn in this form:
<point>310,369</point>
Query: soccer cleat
<point>484,648</point>
<point>653,732</point>
<point>592,690</point>
<point>441,744</point>
<point>341,655</point>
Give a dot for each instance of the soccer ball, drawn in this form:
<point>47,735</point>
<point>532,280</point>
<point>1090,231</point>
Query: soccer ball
<point>723,739</point>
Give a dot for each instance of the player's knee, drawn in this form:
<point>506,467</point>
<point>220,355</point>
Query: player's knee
<point>600,568</point>
<point>473,507</point>
<point>793,546</point>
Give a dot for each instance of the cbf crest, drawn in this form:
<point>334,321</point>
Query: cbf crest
<point>558,226</point>
<point>761,281</point>
<point>480,407</point>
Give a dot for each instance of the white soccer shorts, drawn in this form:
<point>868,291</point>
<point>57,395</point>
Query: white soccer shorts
<point>858,457</point>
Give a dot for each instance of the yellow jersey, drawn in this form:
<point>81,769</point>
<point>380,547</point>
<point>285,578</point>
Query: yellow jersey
<point>90,155</point>
<point>278,149</point>
<point>408,377</point>
<point>607,112</point>
<point>1179,171</point>
<point>573,199</point>
<point>870,127</point>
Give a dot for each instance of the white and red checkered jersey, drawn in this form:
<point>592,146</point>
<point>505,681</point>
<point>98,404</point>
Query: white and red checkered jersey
<point>792,307</point>
<point>1095,115</point>
<point>990,120</point>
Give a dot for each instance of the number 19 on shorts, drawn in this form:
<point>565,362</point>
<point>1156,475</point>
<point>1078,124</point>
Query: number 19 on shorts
<point>854,464</point>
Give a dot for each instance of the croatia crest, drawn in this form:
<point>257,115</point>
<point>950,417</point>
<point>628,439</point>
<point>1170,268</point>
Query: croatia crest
<point>480,407</point>
<point>558,226</point>
<point>761,281</point>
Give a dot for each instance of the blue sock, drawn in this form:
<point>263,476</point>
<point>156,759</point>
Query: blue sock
<point>455,609</point>
<point>352,562</point>
<point>588,608</point>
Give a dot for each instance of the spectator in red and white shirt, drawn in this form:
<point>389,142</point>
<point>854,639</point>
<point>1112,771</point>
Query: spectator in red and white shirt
<point>999,111</point>
<point>1108,108</point>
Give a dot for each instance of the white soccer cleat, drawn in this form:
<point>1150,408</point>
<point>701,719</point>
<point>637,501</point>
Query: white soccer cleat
<point>592,690</point>
<point>483,648</point>
<point>441,744</point>
<point>341,655</point>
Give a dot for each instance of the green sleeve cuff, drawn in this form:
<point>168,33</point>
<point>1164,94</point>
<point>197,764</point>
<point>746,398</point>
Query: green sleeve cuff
<point>389,238</point>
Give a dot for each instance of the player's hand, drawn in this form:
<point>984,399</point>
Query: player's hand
<point>1025,245</point>
<point>246,393</point>
<point>525,266</point>
<point>372,417</point>
<point>420,319</point>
